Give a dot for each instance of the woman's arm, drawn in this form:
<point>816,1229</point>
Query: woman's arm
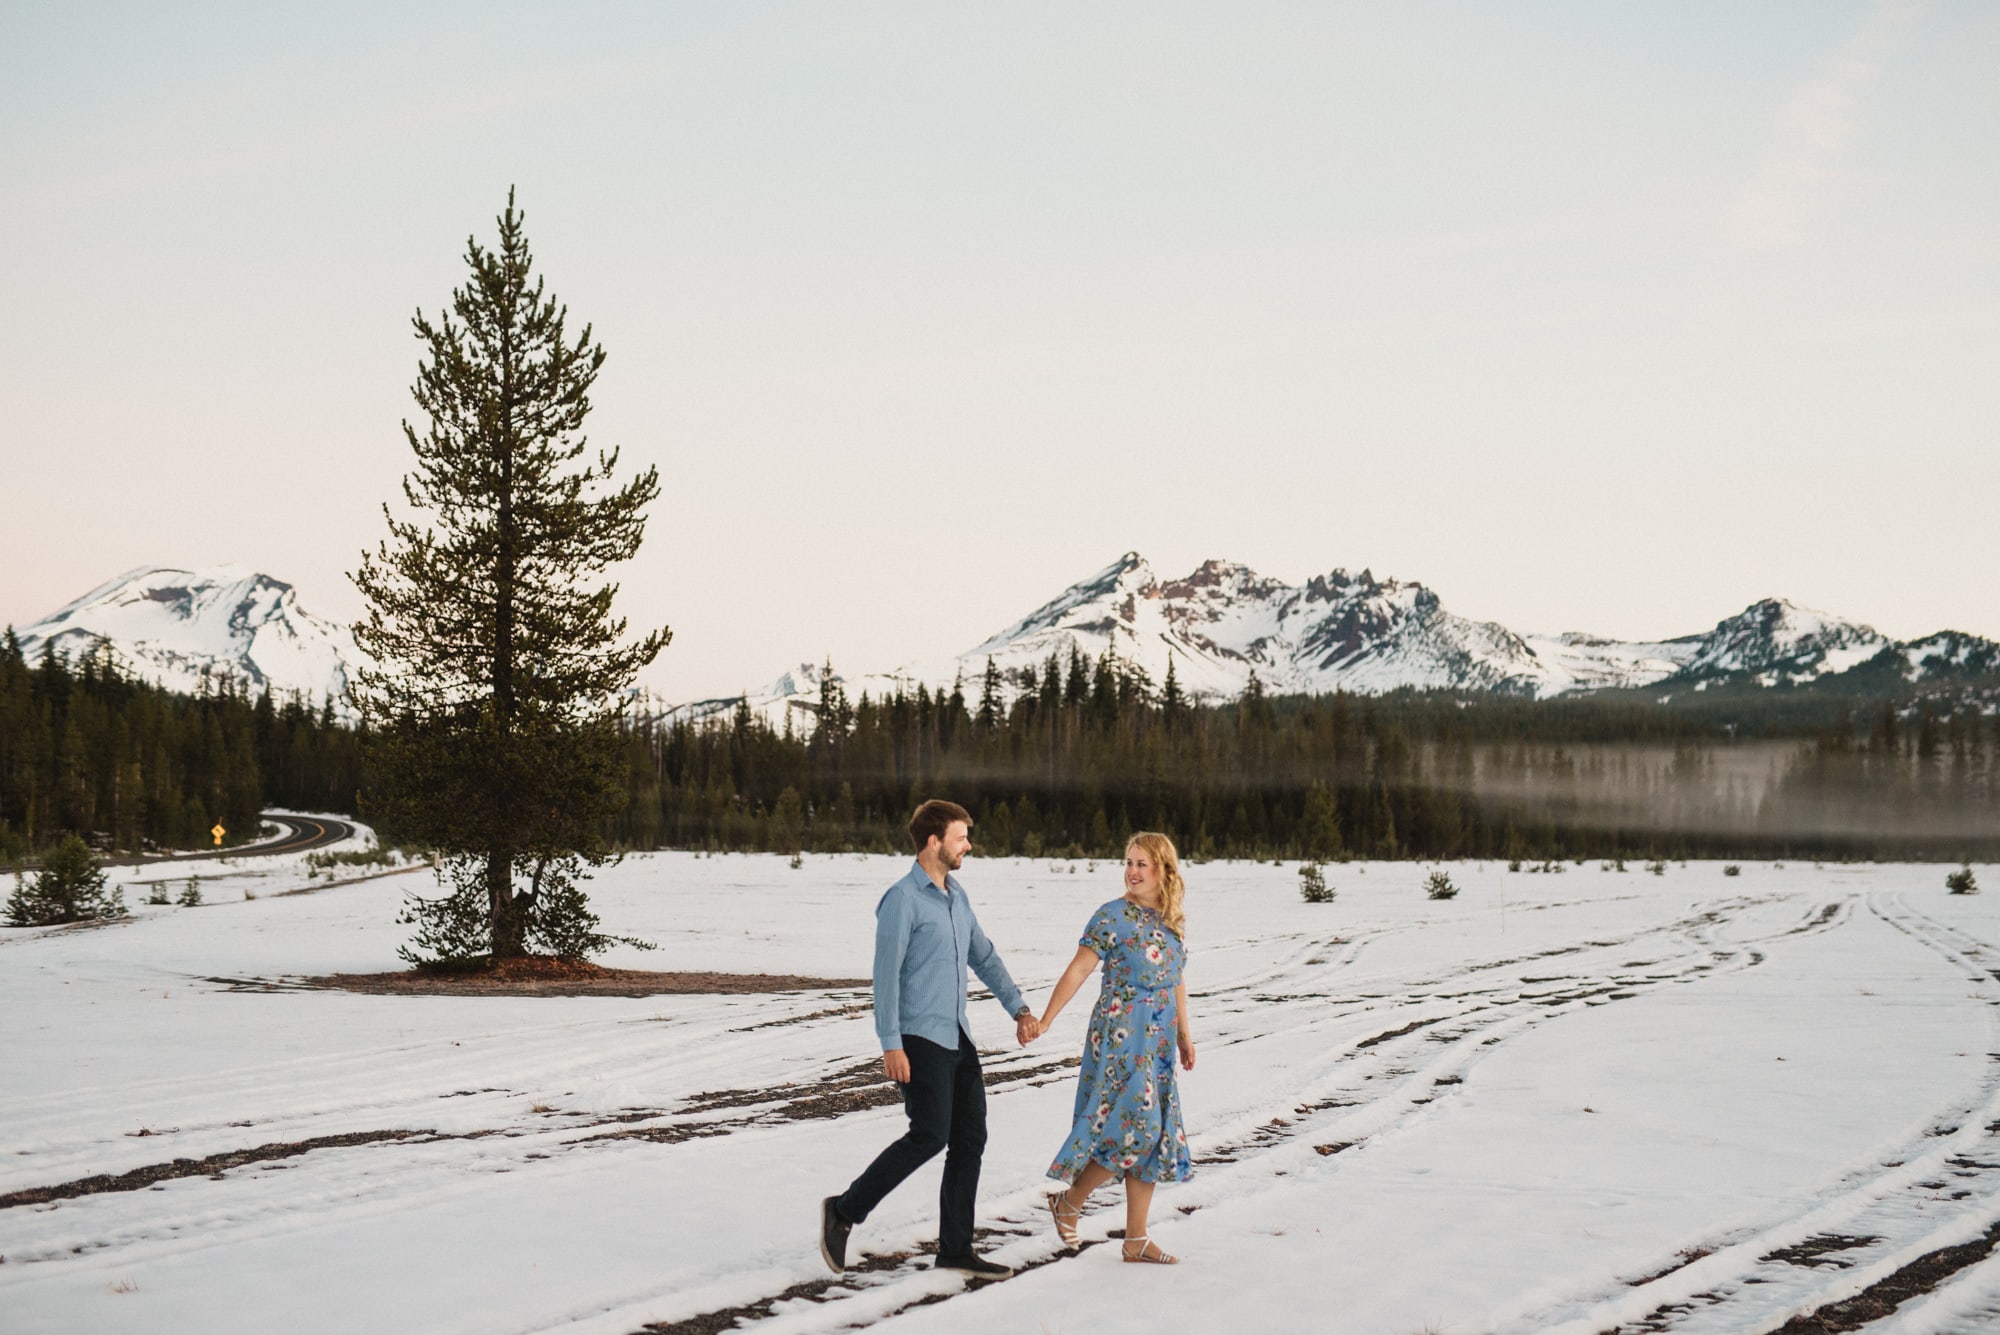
<point>1080,967</point>
<point>1183,1027</point>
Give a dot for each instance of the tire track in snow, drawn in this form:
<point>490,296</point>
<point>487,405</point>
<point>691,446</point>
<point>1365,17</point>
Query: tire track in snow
<point>1875,1226</point>
<point>1334,1115</point>
<point>1378,1073</point>
<point>499,1072</point>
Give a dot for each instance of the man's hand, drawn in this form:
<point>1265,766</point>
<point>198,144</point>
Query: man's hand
<point>896,1065</point>
<point>1027,1029</point>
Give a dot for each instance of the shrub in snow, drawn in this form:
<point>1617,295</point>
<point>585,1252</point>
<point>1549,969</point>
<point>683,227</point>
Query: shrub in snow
<point>451,930</point>
<point>1657,867</point>
<point>1312,884</point>
<point>70,887</point>
<point>359,857</point>
<point>158,894</point>
<point>191,896</point>
<point>556,916</point>
<point>1514,865</point>
<point>1439,886</point>
<point>798,860</point>
<point>1732,870</point>
<point>1960,882</point>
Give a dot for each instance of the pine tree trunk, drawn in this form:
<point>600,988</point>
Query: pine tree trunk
<point>507,928</point>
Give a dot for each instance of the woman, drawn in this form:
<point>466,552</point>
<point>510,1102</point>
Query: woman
<point>1128,1111</point>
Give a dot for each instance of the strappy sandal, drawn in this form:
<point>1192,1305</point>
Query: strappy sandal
<point>1149,1252</point>
<point>1066,1216</point>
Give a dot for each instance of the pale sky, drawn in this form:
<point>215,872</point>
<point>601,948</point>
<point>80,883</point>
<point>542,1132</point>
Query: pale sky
<point>1589,316</point>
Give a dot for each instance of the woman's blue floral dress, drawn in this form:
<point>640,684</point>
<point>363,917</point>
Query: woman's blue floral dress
<point>1128,1109</point>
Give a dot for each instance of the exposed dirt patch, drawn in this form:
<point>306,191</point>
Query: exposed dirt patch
<point>822,1290</point>
<point>214,1165</point>
<point>1885,1295</point>
<point>1819,1251</point>
<point>1687,1256</point>
<point>852,1089</point>
<point>539,976</point>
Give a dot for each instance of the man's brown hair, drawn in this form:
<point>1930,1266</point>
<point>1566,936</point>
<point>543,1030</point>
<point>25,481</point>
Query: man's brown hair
<point>934,818</point>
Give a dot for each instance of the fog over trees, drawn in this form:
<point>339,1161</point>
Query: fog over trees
<point>1089,751</point>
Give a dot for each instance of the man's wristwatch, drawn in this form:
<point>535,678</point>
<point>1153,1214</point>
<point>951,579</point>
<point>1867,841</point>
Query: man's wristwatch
<point>1024,1012</point>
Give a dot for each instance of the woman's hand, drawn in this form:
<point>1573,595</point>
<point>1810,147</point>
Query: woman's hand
<point>1186,1042</point>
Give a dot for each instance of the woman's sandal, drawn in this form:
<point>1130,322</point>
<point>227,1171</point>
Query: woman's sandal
<point>1149,1252</point>
<point>1066,1216</point>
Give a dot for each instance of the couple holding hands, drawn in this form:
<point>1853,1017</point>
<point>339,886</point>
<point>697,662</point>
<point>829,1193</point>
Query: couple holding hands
<point>1127,1118</point>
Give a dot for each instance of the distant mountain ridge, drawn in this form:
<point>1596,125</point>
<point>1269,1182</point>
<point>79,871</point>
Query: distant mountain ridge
<point>177,627</point>
<point>1354,632</point>
<point>1215,626</point>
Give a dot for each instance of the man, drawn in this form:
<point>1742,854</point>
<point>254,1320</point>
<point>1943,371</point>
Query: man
<point>925,936</point>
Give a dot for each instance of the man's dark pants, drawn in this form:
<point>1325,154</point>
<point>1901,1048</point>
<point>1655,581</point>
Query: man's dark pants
<point>946,1102</point>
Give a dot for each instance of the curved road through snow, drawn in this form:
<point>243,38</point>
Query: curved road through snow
<point>305,833</point>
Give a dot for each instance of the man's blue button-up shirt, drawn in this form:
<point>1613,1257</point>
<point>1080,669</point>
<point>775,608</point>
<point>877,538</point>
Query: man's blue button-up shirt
<point>924,939</point>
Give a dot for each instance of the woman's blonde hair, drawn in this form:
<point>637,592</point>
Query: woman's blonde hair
<point>1173,890</point>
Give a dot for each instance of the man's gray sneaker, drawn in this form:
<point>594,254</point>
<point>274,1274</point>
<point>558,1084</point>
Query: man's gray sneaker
<point>833,1231</point>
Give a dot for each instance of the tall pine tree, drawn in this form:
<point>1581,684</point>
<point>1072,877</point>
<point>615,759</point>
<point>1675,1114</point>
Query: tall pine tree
<point>498,671</point>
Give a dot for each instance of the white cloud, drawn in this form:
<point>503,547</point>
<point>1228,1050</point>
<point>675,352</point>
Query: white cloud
<point>1785,193</point>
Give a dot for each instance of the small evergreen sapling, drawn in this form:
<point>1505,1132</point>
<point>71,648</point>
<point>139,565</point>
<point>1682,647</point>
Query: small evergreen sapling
<point>1312,884</point>
<point>1961,882</point>
<point>1732,870</point>
<point>191,895</point>
<point>1438,886</point>
<point>70,887</point>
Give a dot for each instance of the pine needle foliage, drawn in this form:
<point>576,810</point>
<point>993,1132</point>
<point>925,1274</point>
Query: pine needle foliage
<point>1312,884</point>
<point>493,701</point>
<point>1961,882</point>
<point>1439,886</point>
<point>70,887</point>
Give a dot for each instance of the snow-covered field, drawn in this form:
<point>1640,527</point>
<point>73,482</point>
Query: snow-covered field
<point>1552,1092</point>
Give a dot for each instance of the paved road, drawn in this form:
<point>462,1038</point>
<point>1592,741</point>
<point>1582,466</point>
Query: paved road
<point>305,833</point>
<point>302,834</point>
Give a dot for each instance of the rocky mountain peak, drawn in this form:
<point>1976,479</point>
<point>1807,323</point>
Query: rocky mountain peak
<point>188,628</point>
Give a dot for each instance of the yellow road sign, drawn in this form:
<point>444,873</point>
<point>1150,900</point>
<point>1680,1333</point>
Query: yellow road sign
<point>218,832</point>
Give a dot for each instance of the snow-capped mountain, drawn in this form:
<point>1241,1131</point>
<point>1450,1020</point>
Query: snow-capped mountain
<point>1342,631</point>
<point>1214,626</point>
<point>173,626</point>
<point>1779,641</point>
<point>1223,621</point>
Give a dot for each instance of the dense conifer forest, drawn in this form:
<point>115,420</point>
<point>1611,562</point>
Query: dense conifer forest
<point>84,748</point>
<point>1084,752</point>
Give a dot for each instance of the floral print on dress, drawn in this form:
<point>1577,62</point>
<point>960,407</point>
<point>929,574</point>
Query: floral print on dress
<point>1128,1106</point>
